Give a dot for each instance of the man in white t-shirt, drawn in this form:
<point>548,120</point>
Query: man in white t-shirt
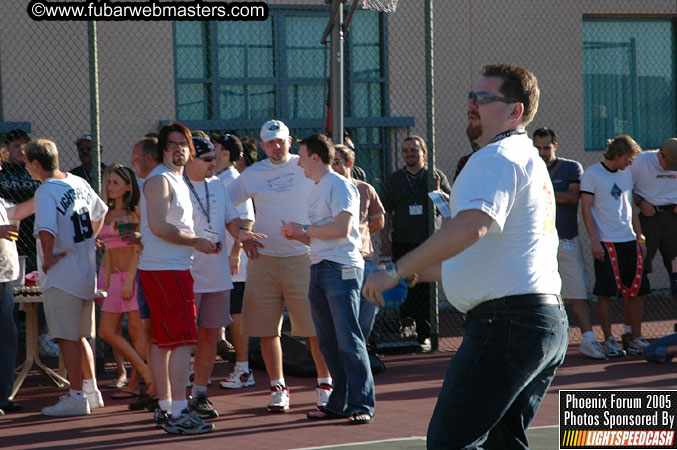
<point>280,191</point>
<point>335,282</point>
<point>497,260</point>
<point>229,150</point>
<point>654,174</point>
<point>213,212</point>
<point>68,217</point>
<point>616,242</point>
<point>168,239</point>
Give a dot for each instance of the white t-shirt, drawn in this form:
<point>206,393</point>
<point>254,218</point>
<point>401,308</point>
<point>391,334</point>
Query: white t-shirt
<point>651,182</point>
<point>158,254</point>
<point>9,258</point>
<point>611,205</point>
<point>508,181</point>
<point>330,197</point>
<point>211,273</point>
<point>66,209</point>
<point>280,193</point>
<point>246,211</point>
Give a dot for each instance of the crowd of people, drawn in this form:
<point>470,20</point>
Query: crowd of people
<point>181,230</point>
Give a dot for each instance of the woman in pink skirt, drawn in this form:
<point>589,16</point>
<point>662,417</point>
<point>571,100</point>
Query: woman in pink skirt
<point>118,274</point>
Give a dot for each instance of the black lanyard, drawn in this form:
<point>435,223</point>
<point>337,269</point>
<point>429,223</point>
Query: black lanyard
<point>205,211</point>
<point>507,134</point>
<point>415,177</point>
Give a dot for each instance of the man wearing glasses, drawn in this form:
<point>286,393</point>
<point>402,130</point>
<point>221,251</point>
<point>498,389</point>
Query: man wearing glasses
<point>213,212</point>
<point>497,260</point>
<point>405,198</point>
<point>654,174</point>
<point>168,238</point>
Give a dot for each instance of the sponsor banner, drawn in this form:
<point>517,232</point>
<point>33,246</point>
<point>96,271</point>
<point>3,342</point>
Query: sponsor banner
<point>617,419</point>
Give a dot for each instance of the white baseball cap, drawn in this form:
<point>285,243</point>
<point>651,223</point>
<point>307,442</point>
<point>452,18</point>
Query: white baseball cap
<point>274,129</point>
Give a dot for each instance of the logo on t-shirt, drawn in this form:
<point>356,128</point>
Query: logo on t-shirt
<point>616,192</point>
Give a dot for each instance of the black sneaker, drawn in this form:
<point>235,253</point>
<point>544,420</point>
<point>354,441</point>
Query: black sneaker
<point>203,407</point>
<point>187,423</point>
<point>160,417</point>
<point>11,407</point>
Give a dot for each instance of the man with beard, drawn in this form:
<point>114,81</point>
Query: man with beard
<point>164,271</point>
<point>405,198</point>
<point>497,260</point>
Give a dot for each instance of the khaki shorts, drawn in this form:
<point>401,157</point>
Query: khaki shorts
<point>272,283</point>
<point>68,317</point>
<point>572,269</point>
<point>213,309</point>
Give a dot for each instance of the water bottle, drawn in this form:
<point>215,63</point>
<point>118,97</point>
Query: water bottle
<point>396,296</point>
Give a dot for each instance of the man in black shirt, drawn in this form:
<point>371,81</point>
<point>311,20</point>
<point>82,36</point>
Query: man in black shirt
<point>16,185</point>
<point>406,201</point>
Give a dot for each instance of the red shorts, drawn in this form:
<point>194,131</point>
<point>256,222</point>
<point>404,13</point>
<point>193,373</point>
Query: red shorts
<point>172,306</point>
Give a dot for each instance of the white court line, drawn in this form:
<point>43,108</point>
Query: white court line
<point>354,444</point>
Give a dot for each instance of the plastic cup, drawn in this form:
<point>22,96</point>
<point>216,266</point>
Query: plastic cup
<point>394,297</point>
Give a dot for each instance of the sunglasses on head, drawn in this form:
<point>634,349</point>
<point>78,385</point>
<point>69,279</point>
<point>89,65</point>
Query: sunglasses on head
<point>207,158</point>
<point>482,98</point>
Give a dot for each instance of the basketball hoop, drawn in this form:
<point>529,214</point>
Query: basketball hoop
<point>380,5</point>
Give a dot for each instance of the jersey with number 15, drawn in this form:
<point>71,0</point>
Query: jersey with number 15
<point>66,209</point>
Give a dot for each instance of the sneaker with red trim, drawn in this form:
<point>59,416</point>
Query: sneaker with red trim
<point>323,392</point>
<point>238,379</point>
<point>279,399</point>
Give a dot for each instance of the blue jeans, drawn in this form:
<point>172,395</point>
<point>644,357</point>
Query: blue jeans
<point>8,342</point>
<point>496,381</point>
<point>368,309</point>
<point>334,304</point>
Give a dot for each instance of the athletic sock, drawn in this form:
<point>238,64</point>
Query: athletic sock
<point>177,408</point>
<point>242,366</point>
<point>321,381</point>
<point>89,386</point>
<point>588,336</point>
<point>197,390</point>
<point>165,405</point>
<point>274,383</point>
<point>628,329</point>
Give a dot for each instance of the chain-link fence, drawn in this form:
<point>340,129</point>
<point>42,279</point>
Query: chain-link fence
<point>233,75</point>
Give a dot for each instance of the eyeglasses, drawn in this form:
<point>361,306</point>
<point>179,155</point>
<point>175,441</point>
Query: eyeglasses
<point>206,158</point>
<point>337,162</point>
<point>483,98</point>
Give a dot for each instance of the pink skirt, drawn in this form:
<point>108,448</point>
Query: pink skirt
<point>114,303</point>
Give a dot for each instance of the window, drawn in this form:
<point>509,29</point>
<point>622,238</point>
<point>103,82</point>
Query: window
<point>629,81</point>
<point>235,75</point>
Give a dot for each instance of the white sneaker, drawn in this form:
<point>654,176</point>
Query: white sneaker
<point>611,348</point>
<point>279,399</point>
<point>67,406</point>
<point>592,349</point>
<point>94,399</point>
<point>238,379</point>
<point>323,392</point>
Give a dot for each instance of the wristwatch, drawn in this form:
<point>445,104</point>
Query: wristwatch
<point>391,271</point>
<point>305,230</point>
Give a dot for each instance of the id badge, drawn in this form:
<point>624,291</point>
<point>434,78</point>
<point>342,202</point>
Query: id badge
<point>348,273</point>
<point>415,210</point>
<point>210,234</point>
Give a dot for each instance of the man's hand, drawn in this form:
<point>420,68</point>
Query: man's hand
<point>250,248</point>
<point>204,245</point>
<point>647,208</point>
<point>9,232</point>
<point>597,251</point>
<point>246,235</point>
<point>642,248</point>
<point>292,230</point>
<point>374,286</point>
<point>51,260</point>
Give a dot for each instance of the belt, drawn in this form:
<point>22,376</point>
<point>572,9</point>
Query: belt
<point>660,208</point>
<point>511,302</point>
